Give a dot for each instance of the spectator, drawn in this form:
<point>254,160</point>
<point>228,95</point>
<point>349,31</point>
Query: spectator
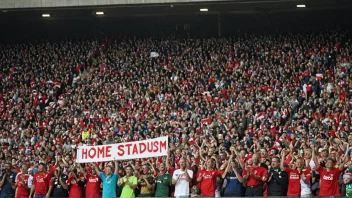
<point>22,184</point>
<point>252,95</point>
<point>93,182</point>
<point>329,176</point>
<point>255,176</point>
<point>163,182</point>
<point>59,182</point>
<point>41,187</point>
<point>233,180</point>
<point>8,182</point>
<point>207,179</point>
<point>347,180</point>
<point>146,183</point>
<point>129,183</point>
<point>305,181</point>
<point>75,183</point>
<point>294,176</point>
<point>278,180</point>
<point>109,179</point>
<point>181,179</point>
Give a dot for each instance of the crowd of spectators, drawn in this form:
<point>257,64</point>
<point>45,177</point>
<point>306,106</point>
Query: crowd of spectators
<point>246,116</point>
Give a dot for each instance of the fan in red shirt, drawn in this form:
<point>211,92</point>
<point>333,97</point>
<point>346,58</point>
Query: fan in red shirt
<point>255,176</point>
<point>75,183</point>
<point>329,176</point>
<point>22,183</point>
<point>207,179</point>
<point>294,177</point>
<point>41,183</point>
<point>93,182</point>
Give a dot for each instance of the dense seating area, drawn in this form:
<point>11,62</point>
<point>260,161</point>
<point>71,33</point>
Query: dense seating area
<point>245,116</point>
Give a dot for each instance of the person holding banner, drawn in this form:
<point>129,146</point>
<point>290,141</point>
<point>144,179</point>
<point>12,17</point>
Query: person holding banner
<point>93,182</point>
<point>109,179</point>
<point>181,179</point>
<point>129,183</point>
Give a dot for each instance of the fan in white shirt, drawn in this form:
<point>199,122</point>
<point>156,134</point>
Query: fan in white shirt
<point>181,179</point>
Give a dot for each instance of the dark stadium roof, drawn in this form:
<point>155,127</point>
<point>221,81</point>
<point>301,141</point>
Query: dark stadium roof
<point>225,7</point>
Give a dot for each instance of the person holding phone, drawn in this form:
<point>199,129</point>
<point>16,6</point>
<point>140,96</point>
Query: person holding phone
<point>7,182</point>
<point>181,179</point>
<point>146,184</point>
<point>59,183</point>
<point>75,182</point>
<point>93,182</point>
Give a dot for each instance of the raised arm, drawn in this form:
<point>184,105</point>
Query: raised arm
<point>65,163</point>
<point>239,159</point>
<point>116,167</point>
<point>149,185</point>
<point>227,168</point>
<point>343,161</point>
<point>96,168</point>
<point>315,159</point>
<point>152,167</point>
<point>82,170</point>
<point>201,153</point>
<point>282,166</point>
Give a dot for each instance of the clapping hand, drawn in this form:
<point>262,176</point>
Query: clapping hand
<point>303,177</point>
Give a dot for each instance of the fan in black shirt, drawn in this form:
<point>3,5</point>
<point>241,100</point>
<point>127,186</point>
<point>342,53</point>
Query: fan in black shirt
<point>278,180</point>
<point>60,188</point>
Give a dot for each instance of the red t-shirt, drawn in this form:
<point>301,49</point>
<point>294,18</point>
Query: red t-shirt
<point>41,181</point>
<point>294,185</point>
<point>75,189</point>
<point>259,171</point>
<point>329,182</point>
<point>22,185</point>
<point>93,186</point>
<point>208,182</point>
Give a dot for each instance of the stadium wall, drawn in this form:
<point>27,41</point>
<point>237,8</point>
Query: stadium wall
<point>19,28</point>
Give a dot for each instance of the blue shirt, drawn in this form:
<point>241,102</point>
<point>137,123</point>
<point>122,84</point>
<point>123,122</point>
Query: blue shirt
<point>109,185</point>
<point>233,187</point>
<point>7,188</point>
